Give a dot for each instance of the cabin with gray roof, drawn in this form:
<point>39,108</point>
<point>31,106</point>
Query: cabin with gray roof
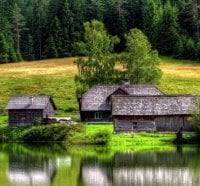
<point>137,108</point>
<point>95,105</point>
<point>153,113</point>
<point>24,110</point>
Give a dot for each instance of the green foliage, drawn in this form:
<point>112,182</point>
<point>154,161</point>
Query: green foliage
<point>195,121</point>
<point>168,29</point>
<point>98,68</point>
<point>50,48</point>
<point>37,121</point>
<point>18,22</point>
<point>186,17</point>
<point>28,54</point>
<point>57,25</point>
<point>43,133</point>
<point>141,63</point>
<point>54,132</point>
<point>152,16</point>
<point>102,137</point>
<point>3,49</point>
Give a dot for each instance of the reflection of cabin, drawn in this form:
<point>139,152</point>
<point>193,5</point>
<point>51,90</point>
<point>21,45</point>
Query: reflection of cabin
<point>137,108</point>
<point>147,169</point>
<point>26,170</point>
<point>24,110</point>
<point>95,105</point>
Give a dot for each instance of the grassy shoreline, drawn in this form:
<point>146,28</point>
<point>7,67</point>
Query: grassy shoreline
<point>84,135</point>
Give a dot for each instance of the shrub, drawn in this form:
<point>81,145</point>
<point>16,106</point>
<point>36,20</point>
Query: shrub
<point>37,121</point>
<point>101,138</point>
<point>54,132</point>
<point>195,121</point>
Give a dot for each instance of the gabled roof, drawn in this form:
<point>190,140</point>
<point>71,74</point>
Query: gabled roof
<point>29,102</point>
<point>95,98</point>
<point>153,105</point>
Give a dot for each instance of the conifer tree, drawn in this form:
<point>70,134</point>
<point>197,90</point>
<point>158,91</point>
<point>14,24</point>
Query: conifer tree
<point>4,49</point>
<point>50,48</point>
<point>152,14</point>
<point>168,30</point>
<point>18,23</point>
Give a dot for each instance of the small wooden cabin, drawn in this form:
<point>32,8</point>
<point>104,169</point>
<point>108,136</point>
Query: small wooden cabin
<point>153,113</point>
<point>96,104</point>
<point>24,110</point>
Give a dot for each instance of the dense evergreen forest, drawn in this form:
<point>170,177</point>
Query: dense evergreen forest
<point>38,29</point>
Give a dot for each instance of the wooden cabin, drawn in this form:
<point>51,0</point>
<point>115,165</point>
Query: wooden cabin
<point>137,108</point>
<point>95,105</point>
<point>153,113</point>
<point>24,110</point>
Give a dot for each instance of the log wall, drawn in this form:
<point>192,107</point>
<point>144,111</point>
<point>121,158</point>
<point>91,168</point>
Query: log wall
<point>146,123</point>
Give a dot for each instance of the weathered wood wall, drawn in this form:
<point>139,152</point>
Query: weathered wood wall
<point>48,111</point>
<point>23,117</point>
<point>161,123</point>
<point>172,123</point>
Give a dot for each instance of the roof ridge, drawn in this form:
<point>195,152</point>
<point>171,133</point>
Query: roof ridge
<point>165,95</point>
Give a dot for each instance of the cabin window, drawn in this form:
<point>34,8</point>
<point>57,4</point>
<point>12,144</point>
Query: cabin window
<point>98,115</point>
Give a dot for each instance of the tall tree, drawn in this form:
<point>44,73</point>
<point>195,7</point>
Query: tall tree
<point>186,18</point>
<point>4,49</point>
<point>55,38</point>
<point>168,30</point>
<point>152,15</point>
<point>115,21</point>
<point>94,9</point>
<point>141,64</point>
<point>38,28</point>
<point>18,21</point>
<point>29,49</point>
<point>98,68</point>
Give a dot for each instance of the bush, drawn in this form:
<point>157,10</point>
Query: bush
<point>54,132</point>
<point>101,138</point>
<point>38,121</point>
<point>195,121</point>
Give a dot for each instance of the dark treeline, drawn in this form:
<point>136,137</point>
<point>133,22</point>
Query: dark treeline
<point>51,28</point>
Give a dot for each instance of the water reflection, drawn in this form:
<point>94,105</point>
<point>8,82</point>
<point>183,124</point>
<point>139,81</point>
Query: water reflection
<point>24,165</point>
<point>143,169</point>
<point>27,170</point>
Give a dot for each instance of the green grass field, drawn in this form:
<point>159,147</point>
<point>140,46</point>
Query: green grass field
<point>128,141</point>
<point>55,77</point>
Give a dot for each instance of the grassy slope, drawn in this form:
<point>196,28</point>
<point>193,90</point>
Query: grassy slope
<point>55,77</point>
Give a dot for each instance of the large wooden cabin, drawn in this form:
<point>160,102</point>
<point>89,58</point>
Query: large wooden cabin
<point>153,113</point>
<point>137,108</point>
<point>96,104</point>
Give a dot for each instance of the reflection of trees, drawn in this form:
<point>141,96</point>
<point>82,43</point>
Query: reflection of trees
<point>27,170</point>
<point>152,169</point>
<point>49,150</point>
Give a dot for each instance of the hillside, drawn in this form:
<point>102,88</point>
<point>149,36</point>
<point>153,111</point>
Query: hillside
<point>55,77</point>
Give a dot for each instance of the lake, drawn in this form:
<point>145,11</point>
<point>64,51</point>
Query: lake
<point>58,165</point>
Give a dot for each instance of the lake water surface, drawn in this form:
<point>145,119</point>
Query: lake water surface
<point>53,164</point>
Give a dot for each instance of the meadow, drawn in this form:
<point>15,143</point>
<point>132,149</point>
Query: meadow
<point>55,77</point>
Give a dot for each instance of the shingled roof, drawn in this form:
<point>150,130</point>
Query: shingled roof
<point>95,98</point>
<point>153,105</point>
<point>29,102</point>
